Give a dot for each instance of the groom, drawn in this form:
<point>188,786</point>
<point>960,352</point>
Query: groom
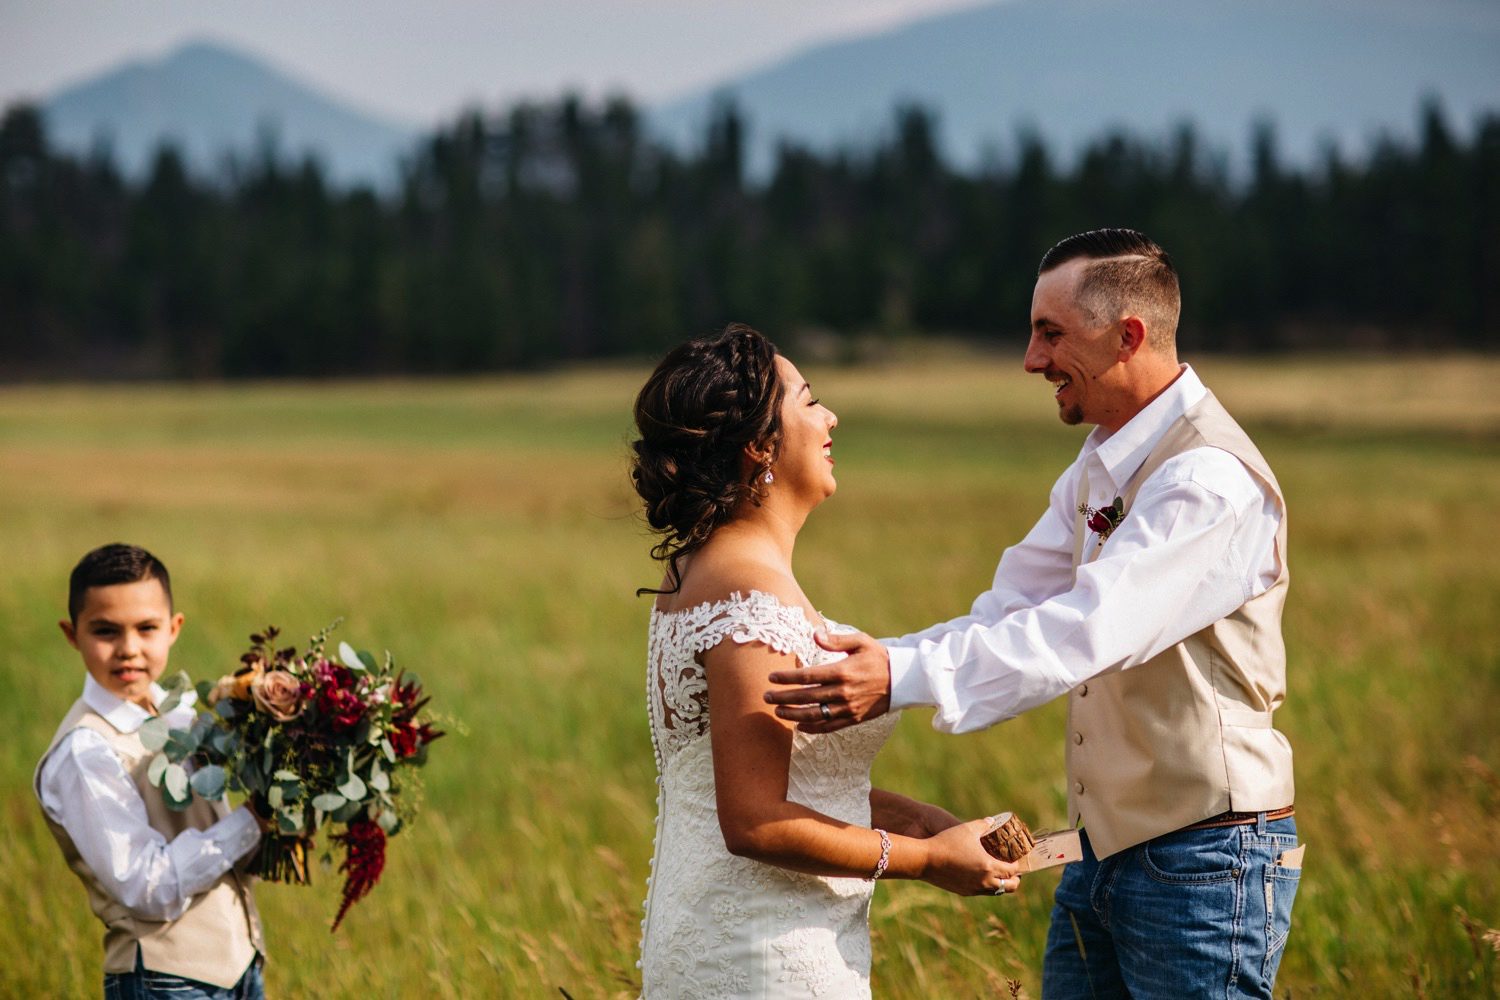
<point>1150,593</point>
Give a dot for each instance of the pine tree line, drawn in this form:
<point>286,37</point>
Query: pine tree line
<point>562,230</point>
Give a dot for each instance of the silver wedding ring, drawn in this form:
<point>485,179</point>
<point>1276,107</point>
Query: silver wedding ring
<point>823,707</point>
<point>1000,890</point>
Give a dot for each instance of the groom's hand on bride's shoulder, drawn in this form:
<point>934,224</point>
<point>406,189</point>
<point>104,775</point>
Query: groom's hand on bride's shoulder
<point>823,699</point>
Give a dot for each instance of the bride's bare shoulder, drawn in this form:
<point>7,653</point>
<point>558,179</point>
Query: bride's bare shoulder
<point>718,574</point>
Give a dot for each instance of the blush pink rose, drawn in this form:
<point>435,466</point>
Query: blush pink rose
<point>278,694</point>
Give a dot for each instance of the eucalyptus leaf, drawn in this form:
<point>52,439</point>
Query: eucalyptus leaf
<point>388,821</point>
<point>181,743</point>
<point>286,775</point>
<point>368,661</point>
<point>274,796</point>
<point>209,781</point>
<point>346,812</point>
<point>290,821</point>
<point>350,656</point>
<point>388,750</point>
<point>156,769</point>
<point>203,728</point>
<point>153,733</point>
<point>354,788</point>
<point>329,802</point>
<point>204,689</point>
<point>291,791</point>
<point>177,683</point>
<point>379,780</point>
<point>175,781</point>
<point>170,702</point>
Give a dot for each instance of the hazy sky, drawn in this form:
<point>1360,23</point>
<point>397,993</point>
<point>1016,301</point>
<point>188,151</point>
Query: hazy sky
<point>420,60</point>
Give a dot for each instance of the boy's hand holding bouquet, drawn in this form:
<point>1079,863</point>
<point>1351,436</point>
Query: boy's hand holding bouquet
<point>312,741</point>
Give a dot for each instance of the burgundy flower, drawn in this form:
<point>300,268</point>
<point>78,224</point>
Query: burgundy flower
<point>364,860</point>
<point>333,690</point>
<point>1099,523</point>
<point>408,738</point>
<point>405,741</point>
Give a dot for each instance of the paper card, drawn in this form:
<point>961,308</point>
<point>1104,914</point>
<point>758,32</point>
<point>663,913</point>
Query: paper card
<point>1060,847</point>
<point>1292,858</point>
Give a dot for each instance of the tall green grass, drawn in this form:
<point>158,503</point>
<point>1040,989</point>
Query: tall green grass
<point>484,531</point>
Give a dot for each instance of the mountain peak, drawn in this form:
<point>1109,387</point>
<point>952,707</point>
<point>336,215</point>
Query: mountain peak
<point>1320,70</point>
<point>212,100</point>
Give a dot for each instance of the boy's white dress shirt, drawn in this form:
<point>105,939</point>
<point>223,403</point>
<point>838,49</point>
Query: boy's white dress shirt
<point>85,790</point>
<point>1198,542</point>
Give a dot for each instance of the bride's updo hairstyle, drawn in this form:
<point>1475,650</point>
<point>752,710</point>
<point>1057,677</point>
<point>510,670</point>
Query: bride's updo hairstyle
<point>706,401</point>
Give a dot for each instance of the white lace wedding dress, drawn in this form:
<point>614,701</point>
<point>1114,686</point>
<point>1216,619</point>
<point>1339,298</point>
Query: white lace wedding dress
<point>722,926</point>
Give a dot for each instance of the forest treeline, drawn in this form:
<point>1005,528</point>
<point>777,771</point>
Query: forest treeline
<point>562,230</point>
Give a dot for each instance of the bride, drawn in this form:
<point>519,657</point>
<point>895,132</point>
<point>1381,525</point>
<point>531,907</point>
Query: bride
<point>768,841</point>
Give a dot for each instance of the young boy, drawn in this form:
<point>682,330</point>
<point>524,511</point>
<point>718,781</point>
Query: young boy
<point>180,921</point>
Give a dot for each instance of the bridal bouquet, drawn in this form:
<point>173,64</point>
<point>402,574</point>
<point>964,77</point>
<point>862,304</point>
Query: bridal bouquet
<point>313,741</point>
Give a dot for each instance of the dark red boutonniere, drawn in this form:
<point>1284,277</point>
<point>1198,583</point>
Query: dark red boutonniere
<point>1102,521</point>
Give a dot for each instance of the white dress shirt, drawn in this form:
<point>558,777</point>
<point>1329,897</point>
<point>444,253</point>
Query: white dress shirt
<point>84,789</point>
<point>1198,541</point>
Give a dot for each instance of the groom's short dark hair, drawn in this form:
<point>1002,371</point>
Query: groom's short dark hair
<point>1131,273</point>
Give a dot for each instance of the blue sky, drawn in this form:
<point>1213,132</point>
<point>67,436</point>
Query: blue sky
<point>418,61</point>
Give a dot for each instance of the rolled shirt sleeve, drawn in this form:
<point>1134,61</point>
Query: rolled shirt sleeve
<point>84,788</point>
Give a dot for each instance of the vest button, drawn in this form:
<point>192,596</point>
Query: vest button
<point>1078,738</point>
<point>1078,787</point>
<point>1083,691</point>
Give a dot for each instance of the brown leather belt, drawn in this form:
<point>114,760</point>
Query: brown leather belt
<point>1240,819</point>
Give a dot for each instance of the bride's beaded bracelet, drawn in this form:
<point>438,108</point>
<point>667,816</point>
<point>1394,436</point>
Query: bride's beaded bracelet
<point>885,855</point>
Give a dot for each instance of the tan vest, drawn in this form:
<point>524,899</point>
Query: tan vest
<point>218,937</point>
<point>1187,734</point>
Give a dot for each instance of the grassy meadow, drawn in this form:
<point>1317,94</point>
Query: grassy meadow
<point>485,532</point>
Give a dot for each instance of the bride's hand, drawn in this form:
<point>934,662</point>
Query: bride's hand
<point>957,862</point>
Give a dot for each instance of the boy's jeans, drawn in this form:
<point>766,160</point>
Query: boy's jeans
<point>143,984</point>
<point>1196,913</point>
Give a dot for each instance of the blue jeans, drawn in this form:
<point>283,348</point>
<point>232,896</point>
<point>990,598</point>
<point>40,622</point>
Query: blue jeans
<point>1196,913</point>
<point>143,984</point>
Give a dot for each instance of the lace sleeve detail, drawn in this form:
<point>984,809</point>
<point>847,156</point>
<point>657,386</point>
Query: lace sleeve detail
<point>759,617</point>
<point>678,689</point>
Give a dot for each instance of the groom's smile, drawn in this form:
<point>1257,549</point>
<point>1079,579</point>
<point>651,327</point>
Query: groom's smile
<point>1068,348</point>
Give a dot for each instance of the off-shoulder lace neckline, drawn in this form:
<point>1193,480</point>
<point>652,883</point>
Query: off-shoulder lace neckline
<point>739,597</point>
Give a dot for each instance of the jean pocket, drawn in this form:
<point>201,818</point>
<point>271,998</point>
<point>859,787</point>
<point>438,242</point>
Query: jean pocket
<point>1281,889</point>
<point>1193,857</point>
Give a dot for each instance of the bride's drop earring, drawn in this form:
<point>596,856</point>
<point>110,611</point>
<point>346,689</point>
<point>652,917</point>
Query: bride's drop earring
<point>770,477</point>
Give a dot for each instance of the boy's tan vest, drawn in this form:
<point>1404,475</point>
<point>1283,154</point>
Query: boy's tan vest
<point>218,937</point>
<point>1187,734</point>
